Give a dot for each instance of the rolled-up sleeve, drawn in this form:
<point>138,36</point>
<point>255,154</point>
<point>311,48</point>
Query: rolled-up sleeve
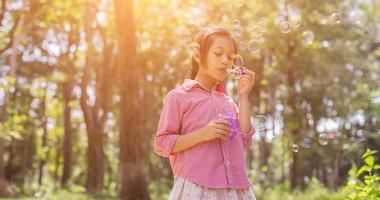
<point>168,126</point>
<point>247,136</point>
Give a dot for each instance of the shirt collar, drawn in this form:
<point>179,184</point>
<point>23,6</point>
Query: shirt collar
<point>190,83</point>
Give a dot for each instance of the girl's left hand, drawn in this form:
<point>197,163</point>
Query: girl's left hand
<point>246,82</point>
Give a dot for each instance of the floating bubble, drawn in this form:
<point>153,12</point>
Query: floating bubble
<point>325,43</point>
<point>237,60</point>
<point>285,27</point>
<point>360,135</point>
<point>295,148</point>
<point>262,25</point>
<point>336,18</point>
<point>254,46</point>
<point>354,17</point>
<point>323,139</point>
<point>261,122</point>
<point>308,37</point>
<point>237,31</point>
<point>306,143</point>
<point>258,31</point>
<point>296,22</point>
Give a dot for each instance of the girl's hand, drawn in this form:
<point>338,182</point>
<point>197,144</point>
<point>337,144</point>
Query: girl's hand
<point>219,128</point>
<point>246,82</point>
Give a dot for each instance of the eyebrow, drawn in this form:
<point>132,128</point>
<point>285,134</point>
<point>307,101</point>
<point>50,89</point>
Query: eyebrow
<point>223,48</point>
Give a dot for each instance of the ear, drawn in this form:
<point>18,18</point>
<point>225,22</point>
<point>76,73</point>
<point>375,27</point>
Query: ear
<point>196,52</point>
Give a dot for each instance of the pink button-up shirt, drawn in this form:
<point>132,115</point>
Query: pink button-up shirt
<point>214,164</point>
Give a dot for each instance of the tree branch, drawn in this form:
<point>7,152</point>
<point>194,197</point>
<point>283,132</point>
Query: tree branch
<point>3,8</point>
<point>11,35</point>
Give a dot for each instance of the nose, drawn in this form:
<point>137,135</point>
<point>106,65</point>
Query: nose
<point>225,60</point>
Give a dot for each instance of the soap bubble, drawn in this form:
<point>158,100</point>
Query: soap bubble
<point>295,148</point>
<point>237,60</point>
<point>254,46</point>
<point>296,23</point>
<point>323,139</point>
<point>237,30</point>
<point>308,37</point>
<point>285,27</point>
<point>336,18</point>
<point>258,31</point>
<point>306,143</point>
<point>360,135</point>
<point>261,122</point>
<point>354,17</point>
<point>262,25</point>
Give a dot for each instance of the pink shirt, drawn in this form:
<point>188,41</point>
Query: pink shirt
<point>214,164</point>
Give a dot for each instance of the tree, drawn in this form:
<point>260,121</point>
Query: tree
<point>133,183</point>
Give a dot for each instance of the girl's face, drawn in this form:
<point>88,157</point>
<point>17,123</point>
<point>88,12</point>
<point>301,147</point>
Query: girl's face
<point>219,58</point>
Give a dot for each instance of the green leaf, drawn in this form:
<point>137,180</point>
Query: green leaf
<point>370,161</point>
<point>362,169</point>
<point>369,152</point>
<point>376,167</point>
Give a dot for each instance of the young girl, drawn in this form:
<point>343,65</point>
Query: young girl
<point>207,162</point>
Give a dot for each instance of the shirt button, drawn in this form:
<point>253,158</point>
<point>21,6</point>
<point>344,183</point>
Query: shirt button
<point>228,162</point>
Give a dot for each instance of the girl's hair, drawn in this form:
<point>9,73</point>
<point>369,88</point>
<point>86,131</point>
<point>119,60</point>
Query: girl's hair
<point>203,41</point>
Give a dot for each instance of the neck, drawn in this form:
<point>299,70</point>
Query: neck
<point>205,81</point>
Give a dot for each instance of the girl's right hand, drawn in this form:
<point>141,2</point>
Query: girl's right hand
<point>219,128</point>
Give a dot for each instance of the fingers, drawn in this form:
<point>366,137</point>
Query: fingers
<point>246,77</point>
<point>249,73</point>
<point>222,127</point>
<point>221,121</point>
<point>223,134</point>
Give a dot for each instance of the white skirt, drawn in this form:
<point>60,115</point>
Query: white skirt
<point>186,190</point>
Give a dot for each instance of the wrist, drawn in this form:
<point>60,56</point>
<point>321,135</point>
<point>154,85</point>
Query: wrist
<point>243,97</point>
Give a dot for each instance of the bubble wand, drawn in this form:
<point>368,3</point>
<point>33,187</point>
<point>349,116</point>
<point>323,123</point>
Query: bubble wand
<point>237,67</point>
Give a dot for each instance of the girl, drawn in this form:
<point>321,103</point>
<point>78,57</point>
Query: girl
<point>207,163</point>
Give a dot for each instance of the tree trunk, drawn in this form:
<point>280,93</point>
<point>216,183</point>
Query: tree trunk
<point>95,174</point>
<point>44,139</point>
<point>57,160</point>
<point>133,183</point>
<point>96,115</point>
<point>336,161</point>
<point>5,189</point>
<point>294,174</point>
<point>67,138</point>
<point>2,158</point>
